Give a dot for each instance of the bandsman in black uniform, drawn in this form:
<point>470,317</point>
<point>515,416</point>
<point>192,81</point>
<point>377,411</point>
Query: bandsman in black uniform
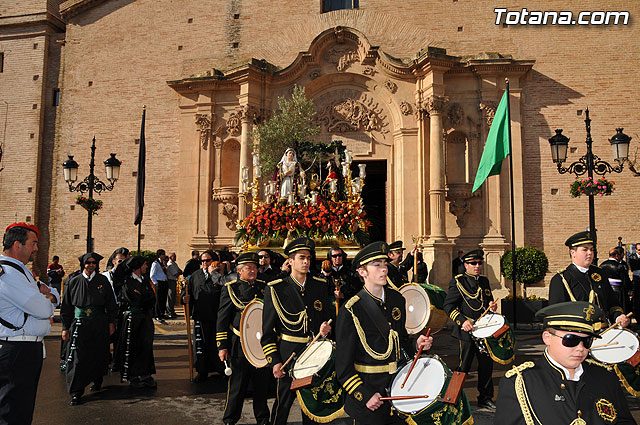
<point>468,297</point>
<point>582,281</point>
<point>233,299</point>
<point>398,269</point>
<point>562,387</point>
<point>369,336</point>
<point>294,308</point>
<point>204,297</point>
<point>88,314</point>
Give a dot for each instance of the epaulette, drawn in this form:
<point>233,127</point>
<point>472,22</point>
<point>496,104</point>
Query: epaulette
<point>260,280</point>
<point>562,269</point>
<point>352,301</point>
<point>458,275</point>
<point>231,283</point>
<point>393,289</point>
<point>273,282</point>
<point>1,271</point>
<point>320,279</point>
<point>517,369</point>
<point>597,363</point>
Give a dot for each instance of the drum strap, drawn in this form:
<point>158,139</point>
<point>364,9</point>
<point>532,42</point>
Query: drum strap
<point>592,295</point>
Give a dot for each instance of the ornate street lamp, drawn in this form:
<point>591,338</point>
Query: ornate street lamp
<point>590,164</point>
<point>91,183</point>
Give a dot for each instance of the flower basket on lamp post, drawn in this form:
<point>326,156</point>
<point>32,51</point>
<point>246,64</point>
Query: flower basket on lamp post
<point>89,204</point>
<point>591,186</point>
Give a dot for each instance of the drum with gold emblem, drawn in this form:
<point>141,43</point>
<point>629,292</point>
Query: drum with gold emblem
<point>424,307</point>
<point>493,335</point>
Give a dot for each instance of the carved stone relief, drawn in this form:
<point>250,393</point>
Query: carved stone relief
<point>405,108</point>
<point>489,110</point>
<point>342,57</point>
<point>234,124</point>
<point>351,115</point>
<point>454,115</point>
<point>435,104</point>
<point>204,123</point>
<point>231,212</point>
<point>459,209</point>
<point>314,74</point>
<point>369,71</point>
<point>391,86</point>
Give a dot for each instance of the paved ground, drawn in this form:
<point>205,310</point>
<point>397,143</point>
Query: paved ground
<point>177,401</point>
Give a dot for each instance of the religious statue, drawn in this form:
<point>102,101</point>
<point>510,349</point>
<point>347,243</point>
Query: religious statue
<point>289,171</point>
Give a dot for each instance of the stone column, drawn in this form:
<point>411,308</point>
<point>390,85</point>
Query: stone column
<point>204,123</point>
<point>245,117</point>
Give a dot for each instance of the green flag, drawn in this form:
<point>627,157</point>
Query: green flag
<point>497,147</point>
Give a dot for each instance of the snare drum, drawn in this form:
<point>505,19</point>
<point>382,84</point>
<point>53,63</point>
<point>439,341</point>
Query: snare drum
<point>322,399</point>
<point>493,336</point>
<point>616,346</point>
<point>424,307</point>
<point>429,377</point>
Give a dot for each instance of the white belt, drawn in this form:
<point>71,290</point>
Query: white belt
<point>615,282</point>
<point>23,338</point>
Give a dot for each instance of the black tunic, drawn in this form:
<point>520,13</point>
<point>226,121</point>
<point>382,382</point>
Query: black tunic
<point>88,307</point>
<point>581,285</point>
<point>460,306</point>
<point>556,400</point>
<point>351,354</point>
<point>134,356</point>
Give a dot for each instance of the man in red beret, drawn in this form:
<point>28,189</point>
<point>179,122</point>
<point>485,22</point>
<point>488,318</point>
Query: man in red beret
<point>25,309</point>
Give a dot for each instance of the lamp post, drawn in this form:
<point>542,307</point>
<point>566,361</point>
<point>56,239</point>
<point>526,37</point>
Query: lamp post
<point>91,183</point>
<point>590,164</point>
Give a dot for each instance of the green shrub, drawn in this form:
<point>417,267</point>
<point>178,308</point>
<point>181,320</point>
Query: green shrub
<point>532,265</point>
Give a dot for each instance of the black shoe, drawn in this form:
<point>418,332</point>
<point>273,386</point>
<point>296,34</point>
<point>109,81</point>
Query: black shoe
<point>200,378</point>
<point>95,388</point>
<point>487,404</point>
<point>149,382</point>
<point>136,383</point>
<point>75,400</point>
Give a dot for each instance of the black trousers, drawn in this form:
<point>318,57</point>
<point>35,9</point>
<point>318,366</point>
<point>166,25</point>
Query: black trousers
<point>171,296</point>
<point>468,349</point>
<point>243,373</point>
<point>282,404</point>
<point>161,298</point>
<point>20,367</point>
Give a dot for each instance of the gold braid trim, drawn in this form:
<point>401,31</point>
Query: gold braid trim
<point>319,419</point>
<point>394,340</point>
<point>578,421</point>
<point>625,383</point>
<point>234,299</point>
<point>566,285</point>
<point>302,316</point>
<point>597,363</point>
<point>521,393</point>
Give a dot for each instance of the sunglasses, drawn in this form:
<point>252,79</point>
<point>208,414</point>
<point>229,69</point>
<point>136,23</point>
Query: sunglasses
<point>208,260</point>
<point>336,255</point>
<point>572,340</point>
<point>91,262</point>
<point>475,263</point>
<point>263,256</point>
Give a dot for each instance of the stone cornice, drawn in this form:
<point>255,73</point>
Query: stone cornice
<point>33,19</point>
<point>71,8</point>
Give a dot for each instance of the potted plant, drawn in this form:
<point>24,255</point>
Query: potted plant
<point>90,204</point>
<point>590,186</point>
<point>532,265</point>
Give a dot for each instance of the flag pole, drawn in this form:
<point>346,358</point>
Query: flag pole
<point>514,263</point>
<point>140,182</point>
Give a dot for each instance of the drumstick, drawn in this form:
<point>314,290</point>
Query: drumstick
<point>484,324</point>
<point>616,324</point>
<point>288,360</point>
<point>314,339</point>
<point>415,359</point>
<point>605,345</point>
<point>482,315</point>
<point>403,397</point>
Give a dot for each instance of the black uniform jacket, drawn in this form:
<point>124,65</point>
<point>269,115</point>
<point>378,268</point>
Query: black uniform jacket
<point>283,335</point>
<point>617,270</point>
<point>360,374</point>
<point>205,295</point>
<point>80,292</point>
<point>581,284</point>
<point>233,299</point>
<point>399,275</point>
<point>555,400</point>
<point>467,298</point>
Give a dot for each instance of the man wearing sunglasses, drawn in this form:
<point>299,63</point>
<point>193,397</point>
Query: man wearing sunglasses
<point>582,281</point>
<point>561,387</point>
<point>204,299</point>
<point>468,297</point>
<point>265,271</point>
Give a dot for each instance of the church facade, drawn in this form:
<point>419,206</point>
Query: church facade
<point>411,89</point>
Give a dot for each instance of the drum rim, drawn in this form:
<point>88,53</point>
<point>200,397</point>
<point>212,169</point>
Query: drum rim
<point>622,330</point>
<point>504,322</point>
<point>423,324</point>
<point>250,307</point>
<point>319,371</point>
<point>408,362</point>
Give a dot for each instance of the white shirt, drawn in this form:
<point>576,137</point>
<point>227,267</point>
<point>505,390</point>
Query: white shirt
<point>157,274</point>
<point>577,373</point>
<point>582,269</point>
<point>19,295</point>
<point>109,277</point>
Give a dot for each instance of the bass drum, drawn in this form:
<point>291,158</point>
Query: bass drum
<point>430,378</point>
<point>424,307</point>
<point>251,332</point>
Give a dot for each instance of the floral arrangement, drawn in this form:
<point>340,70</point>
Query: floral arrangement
<point>89,204</point>
<point>324,220</point>
<point>591,186</point>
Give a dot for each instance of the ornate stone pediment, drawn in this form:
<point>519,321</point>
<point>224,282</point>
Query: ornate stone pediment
<point>353,114</point>
<point>489,110</point>
<point>342,56</point>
